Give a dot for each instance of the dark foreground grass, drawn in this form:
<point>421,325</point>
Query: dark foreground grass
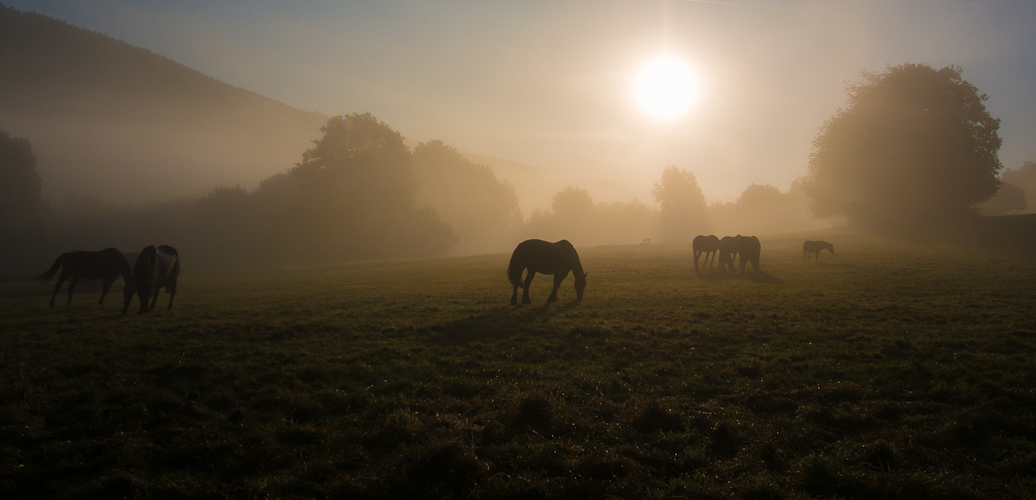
<point>886,371</point>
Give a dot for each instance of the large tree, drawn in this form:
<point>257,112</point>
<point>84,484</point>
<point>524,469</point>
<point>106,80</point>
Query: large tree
<point>21,189</point>
<point>1010,199</point>
<point>682,207</point>
<point>1024,177</point>
<point>23,209</point>
<point>356,196</point>
<point>914,148</point>
<point>482,209</point>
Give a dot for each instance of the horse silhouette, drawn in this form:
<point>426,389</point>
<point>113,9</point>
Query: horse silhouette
<point>707,245</point>
<point>156,268</point>
<point>544,257</point>
<point>748,248</point>
<point>105,265</point>
<point>728,248</point>
<point>815,247</point>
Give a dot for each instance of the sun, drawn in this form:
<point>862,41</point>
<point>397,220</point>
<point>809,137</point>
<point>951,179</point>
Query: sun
<point>665,88</point>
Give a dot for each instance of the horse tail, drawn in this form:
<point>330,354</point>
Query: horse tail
<point>53,269</point>
<point>515,268</point>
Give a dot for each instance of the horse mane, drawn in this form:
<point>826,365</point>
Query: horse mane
<point>144,266</point>
<point>166,249</point>
<point>577,267</point>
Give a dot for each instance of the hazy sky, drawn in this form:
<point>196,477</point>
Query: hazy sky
<point>550,83</point>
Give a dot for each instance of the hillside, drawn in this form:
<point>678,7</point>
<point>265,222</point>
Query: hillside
<point>119,122</point>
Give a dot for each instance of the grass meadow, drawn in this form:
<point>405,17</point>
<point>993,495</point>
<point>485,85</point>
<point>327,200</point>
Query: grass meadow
<point>888,370</point>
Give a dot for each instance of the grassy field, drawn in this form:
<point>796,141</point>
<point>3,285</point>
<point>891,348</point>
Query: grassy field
<point>885,371</point>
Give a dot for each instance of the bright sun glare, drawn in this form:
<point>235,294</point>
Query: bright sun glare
<point>665,88</point>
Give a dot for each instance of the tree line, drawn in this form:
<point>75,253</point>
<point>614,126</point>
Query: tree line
<point>914,150</point>
<point>359,193</point>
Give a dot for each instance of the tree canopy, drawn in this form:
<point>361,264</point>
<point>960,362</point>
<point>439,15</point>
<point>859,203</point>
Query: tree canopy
<point>682,207</point>
<point>915,147</point>
<point>1009,199</point>
<point>21,189</point>
<point>1024,177</point>
<point>482,209</point>
<point>356,195</point>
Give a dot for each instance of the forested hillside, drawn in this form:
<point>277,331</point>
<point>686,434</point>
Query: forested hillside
<point>121,123</point>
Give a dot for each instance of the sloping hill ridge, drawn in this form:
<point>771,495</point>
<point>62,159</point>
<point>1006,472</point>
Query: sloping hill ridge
<point>121,123</point>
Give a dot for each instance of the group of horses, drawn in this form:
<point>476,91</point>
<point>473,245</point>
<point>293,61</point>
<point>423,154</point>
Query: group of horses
<point>728,247</point>
<point>747,247</point>
<point>156,268</point>
<point>560,258</point>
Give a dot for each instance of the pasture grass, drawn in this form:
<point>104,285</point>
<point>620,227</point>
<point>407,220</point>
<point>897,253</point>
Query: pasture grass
<point>886,371</point>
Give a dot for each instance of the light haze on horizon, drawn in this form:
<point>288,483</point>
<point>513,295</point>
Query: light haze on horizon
<point>550,84</point>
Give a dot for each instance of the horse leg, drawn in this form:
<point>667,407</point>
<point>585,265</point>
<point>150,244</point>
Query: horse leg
<point>525,285</point>
<point>72,286</point>
<point>696,255</point>
<point>171,296</point>
<point>105,286</point>
<point>154,298</point>
<point>514,296</point>
<point>57,287</point>
<point>558,278</point>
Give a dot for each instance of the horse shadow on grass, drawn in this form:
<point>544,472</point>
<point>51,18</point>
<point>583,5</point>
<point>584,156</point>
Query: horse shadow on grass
<point>755,277</point>
<point>501,322</point>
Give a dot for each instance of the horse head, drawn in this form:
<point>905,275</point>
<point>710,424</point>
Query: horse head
<point>144,276</point>
<point>127,294</point>
<point>580,284</point>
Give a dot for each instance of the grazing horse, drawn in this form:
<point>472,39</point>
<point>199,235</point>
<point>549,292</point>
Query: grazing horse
<point>815,247</point>
<point>156,268</point>
<point>544,257</point>
<point>748,247</point>
<point>105,265</point>
<point>707,245</point>
<point>728,248</point>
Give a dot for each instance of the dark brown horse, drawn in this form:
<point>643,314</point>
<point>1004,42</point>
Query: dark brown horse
<point>815,247</point>
<point>156,268</point>
<point>544,257</point>
<point>748,248</point>
<point>106,265</point>
<point>707,245</point>
<point>728,247</point>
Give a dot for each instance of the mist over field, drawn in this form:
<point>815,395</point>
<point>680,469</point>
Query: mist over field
<point>132,148</point>
<point>522,250</point>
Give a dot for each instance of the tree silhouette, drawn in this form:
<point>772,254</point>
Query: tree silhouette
<point>572,204</point>
<point>914,149</point>
<point>21,189</point>
<point>23,211</point>
<point>482,210</point>
<point>682,206</point>
<point>1024,177</point>
<point>357,196</point>
<point>1009,199</point>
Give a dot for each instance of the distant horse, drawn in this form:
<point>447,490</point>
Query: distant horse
<point>105,265</point>
<point>544,257</point>
<point>707,245</point>
<point>748,247</point>
<point>728,247</point>
<point>156,268</point>
<point>815,247</point>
